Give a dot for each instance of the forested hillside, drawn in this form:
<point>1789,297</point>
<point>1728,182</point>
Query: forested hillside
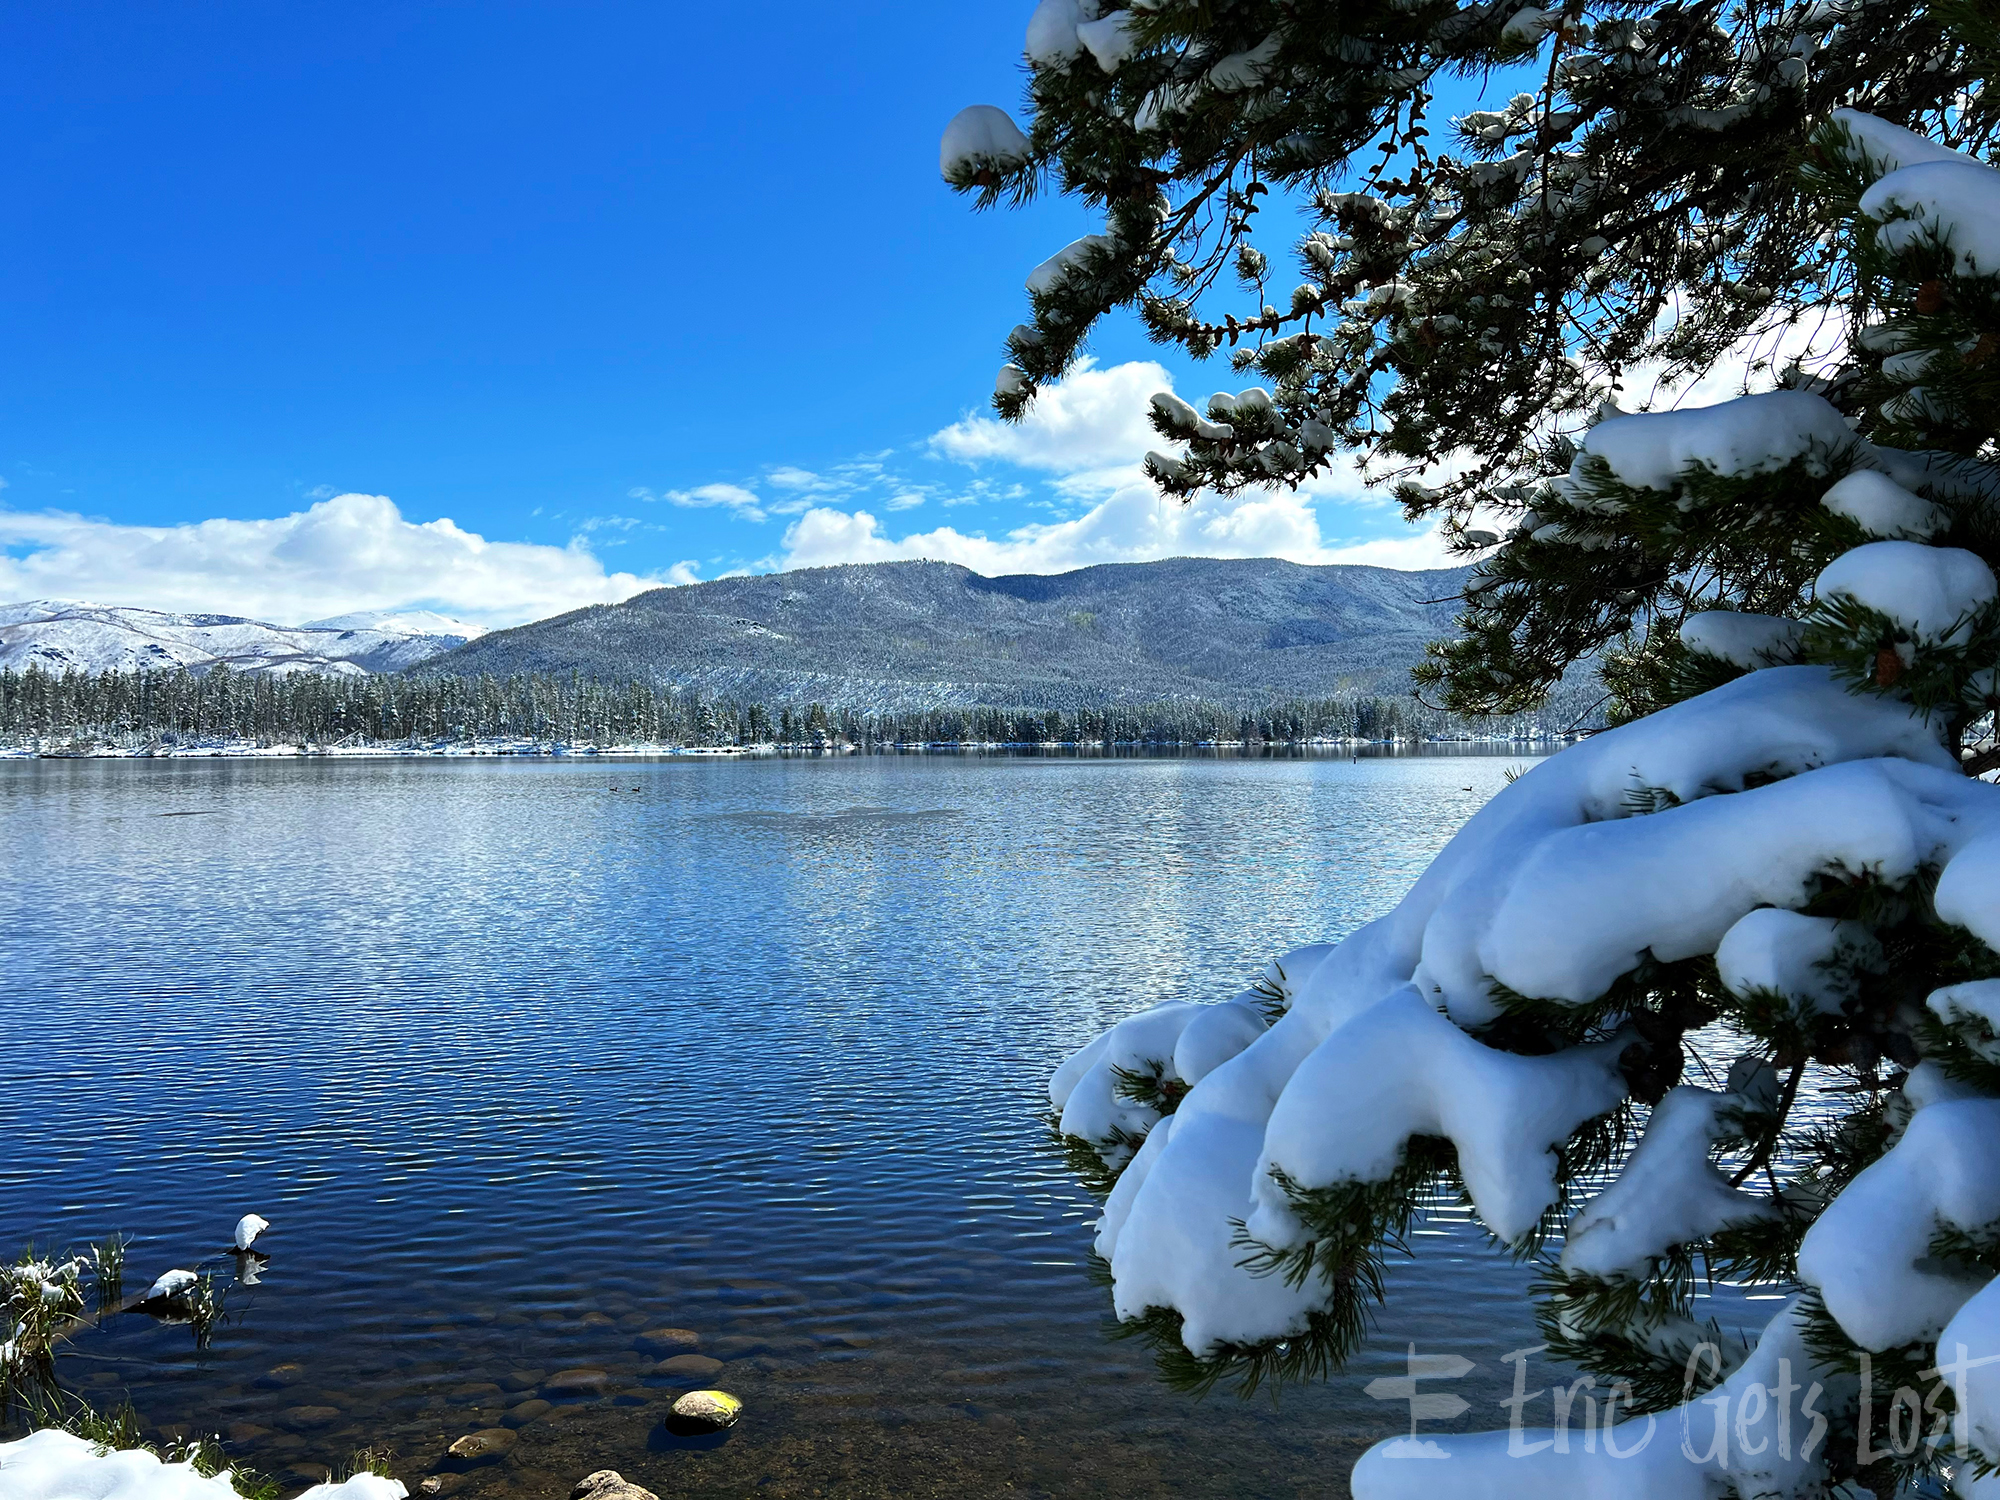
<point>139,708</point>
<point>896,637</point>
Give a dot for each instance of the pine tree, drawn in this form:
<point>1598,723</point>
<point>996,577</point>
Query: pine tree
<point>1779,874</point>
<point>1637,203</point>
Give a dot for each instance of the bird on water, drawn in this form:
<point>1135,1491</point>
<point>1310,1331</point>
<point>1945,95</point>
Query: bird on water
<point>171,1286</point>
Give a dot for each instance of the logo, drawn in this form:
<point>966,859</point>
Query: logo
<point>1425,1406</point>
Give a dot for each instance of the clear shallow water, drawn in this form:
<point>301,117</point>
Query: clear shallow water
<point>523,1059</point>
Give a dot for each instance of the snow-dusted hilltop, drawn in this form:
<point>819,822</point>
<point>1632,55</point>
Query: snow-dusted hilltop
<point>61,636</point>
<point>427,622</point>
<point>916,635</point>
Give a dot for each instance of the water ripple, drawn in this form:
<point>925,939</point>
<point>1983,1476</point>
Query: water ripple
<point>518,1068</point>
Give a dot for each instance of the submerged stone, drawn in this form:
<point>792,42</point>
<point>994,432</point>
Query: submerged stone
<point>703,1411</point>
<point>609,1484</point>
<point>576,1383</point>
<point>665,1341</point>
<point>689,1367</point>
<point>526,1412</point>
<point>488,1445</point>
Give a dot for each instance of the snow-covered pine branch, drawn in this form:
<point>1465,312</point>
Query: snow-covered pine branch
<point>1777,859</point>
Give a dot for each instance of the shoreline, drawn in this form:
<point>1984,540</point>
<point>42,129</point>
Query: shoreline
<point>558,750</point>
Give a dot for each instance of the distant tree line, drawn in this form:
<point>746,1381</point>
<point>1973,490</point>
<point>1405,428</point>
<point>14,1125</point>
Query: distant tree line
<point>302,708</point>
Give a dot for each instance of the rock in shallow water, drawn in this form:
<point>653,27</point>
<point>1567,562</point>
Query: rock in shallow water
<point>701,1412</point>
<point>576,1383</point>
<point>609,1484</point>
<point>688,1367</point>
<point>304,1418</point>
<point>665,1341</point>
<point>526,1412</point>
<point>488,1445</point>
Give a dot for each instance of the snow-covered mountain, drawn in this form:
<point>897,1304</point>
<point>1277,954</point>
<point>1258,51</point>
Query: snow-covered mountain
<point>400,622</point>
<point>914,635</point>
<point>60,635</point>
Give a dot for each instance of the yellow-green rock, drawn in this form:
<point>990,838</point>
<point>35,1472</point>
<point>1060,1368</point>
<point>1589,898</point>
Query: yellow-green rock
<point>704,1411</point>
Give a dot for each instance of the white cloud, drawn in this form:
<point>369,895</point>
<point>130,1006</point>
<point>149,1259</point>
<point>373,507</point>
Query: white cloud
<point>1093,423</point>
<point>1133,524</point>
<point>744,503</point>
<point>347,553</point>
<point>1090,434</point>
<point>1753,363</point>
<point>787,477</point>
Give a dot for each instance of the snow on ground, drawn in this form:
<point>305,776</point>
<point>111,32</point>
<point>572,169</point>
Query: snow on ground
<point>52,1465</point>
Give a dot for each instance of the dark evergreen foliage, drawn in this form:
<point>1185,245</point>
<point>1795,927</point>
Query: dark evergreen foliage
<point>135,708</point>
<point>1668,187</point>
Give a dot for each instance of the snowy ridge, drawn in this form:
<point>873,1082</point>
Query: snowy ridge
<point>61,636</point>
<point>916,635</point>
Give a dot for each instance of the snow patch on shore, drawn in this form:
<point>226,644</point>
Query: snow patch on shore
<point>55,1465</point>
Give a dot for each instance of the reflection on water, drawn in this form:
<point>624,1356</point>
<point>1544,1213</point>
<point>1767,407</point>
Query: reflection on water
<point>864,821</point>
<point>526,1062</point>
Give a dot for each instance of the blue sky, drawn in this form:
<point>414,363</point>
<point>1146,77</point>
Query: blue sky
<point>500,308</point>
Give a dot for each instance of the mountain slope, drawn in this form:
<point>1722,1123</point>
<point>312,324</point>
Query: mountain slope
<point>62,636</point>
<point>908,635</point>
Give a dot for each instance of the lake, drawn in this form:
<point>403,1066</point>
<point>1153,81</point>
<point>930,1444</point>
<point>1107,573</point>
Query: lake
<point>523,1059</point>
